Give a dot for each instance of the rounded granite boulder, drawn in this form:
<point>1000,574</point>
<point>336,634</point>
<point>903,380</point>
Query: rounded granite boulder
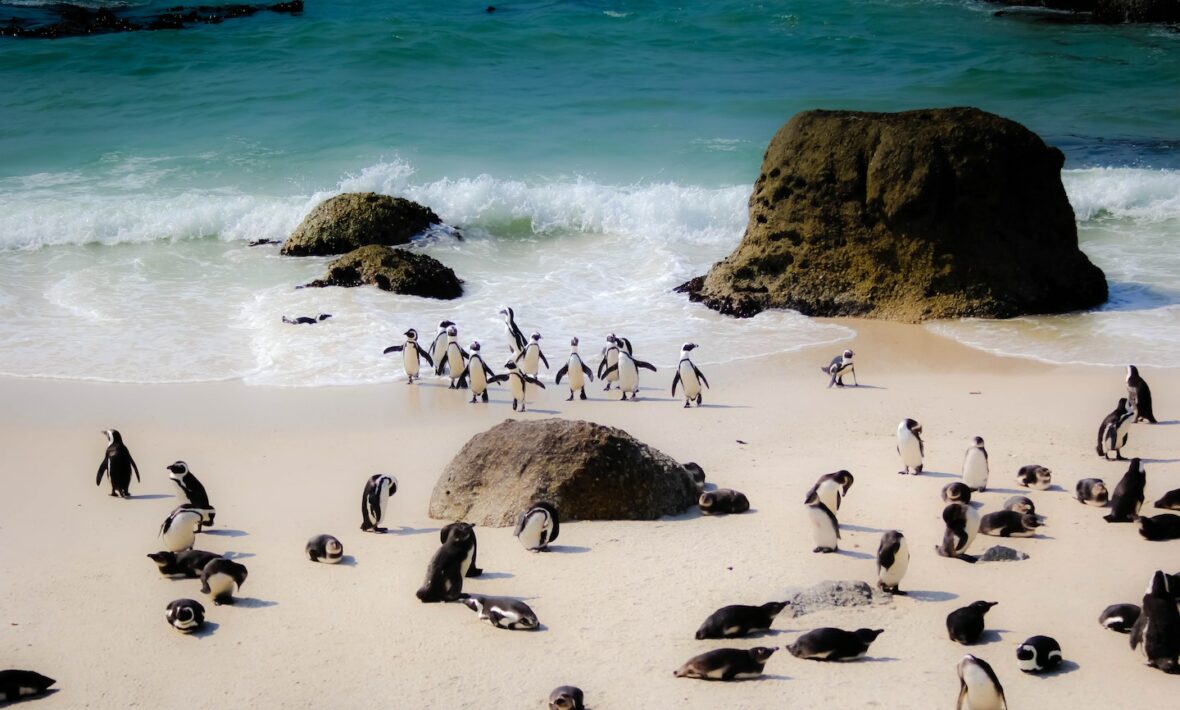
<point>346,222</point>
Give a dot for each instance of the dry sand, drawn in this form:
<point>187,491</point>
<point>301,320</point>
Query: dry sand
<point>619,601</point>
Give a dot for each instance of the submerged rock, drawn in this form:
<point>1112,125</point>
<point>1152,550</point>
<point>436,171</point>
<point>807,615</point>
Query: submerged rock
<point>836,594</point>
<point>395,270</point>
<point>936,213</point>
<point>355,219</point>
<point>589,471</point>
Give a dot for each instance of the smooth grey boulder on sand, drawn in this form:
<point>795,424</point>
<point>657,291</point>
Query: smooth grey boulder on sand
<point>345,222</point>
<point>1109,11</point>
<point>589,471</point>
<point>935,213</point>
<point>395,270</point>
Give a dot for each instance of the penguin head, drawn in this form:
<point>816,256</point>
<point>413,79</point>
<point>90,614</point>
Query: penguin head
<point>179,468</point>
<point>773,608</point>
<point>474,347</point>
<point>912,425</point>
<point>982,607</point>
<point>535,336</point>
<point>510,365</point>
<point>1135,467</point>
<point>507,313</point>
<point>323,317</point>
<point>452,331</point>
<point>390,482</point>
<point>868,636</point>
<point>411,334</point>
<point>1030,521</point>
<point>184,614</point>
<point>1025,652</point>
<point>610,338</point>
<point>844,478</point>
<point>563,701</point>
<point>978,442</point>
<point>574,342</point>
<point>688,347</point>
<point>762,653</point>
<point>1124,405</point>
<point>473,603</point>
<point>706,501</point>
<point>113,436</point>
<point>444,324</point>
<point>163,558</point>
<point>848,354</point>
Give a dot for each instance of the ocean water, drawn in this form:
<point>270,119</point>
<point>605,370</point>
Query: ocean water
<point>594,155</point>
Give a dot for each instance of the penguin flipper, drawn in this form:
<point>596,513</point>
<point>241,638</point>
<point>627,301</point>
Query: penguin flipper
<point>561,373</point>
<point>645,365</point>
<point>962,695</point>
<point>700,375</point>
<point>586,370</point>
<point>102,468</point>
<point>542,356</point>
<point>423,355</point>
<point>675,381</point>
<point>498,378</point>
<point>887,555</point>
<point>612,368</point>
<point>534,381</point>
<point>812,495</point>
<point>466,371</point>
<point>520,524</point>
<point>134,467</point>
<point>921,447</point>
<point>392,349</point>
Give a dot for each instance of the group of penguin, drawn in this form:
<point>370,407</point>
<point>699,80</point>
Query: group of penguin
<point>467,369</point>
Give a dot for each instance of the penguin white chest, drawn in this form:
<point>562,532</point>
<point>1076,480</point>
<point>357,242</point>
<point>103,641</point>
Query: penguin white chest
<point>479,378</point>
<point>971,525</point>
<point>181,493</point>
<point>535,531</point>
<point>410,359</point>
<point>454,361</point>
<point>909,448</point>
<point>531,360</point>
<point>612,358</point>
<point>981,691</point>
<point>466,565</point>
<point>822,529</point>
<point>577,377</point>
<point>382,504</point>
<point>893,575</point>
<point>975,469</point>
<point>688,377</point>
<point>628,375</point>
<point>180,534</point>
<point>517,386</point>
<point>220,584</point>
<point>830,494</point>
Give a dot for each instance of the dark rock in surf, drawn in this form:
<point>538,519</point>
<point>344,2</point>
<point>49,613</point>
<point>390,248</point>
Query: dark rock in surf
<point>352,220</point>
<point>1110,12</point>
<point>57,20</point>
<point>395,270</point>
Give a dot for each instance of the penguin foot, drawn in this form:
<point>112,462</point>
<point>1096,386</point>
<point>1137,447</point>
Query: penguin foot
<point>687,404</point>
<point>824,550</point>
<point>472,399</point>
<point>514,405</point>
<point>114,495</point>
<point>969,559</point>
<point>571,397</point>
<point>903,472</point>
<point>607,388</point>
<point>381,530</point>
<point>583,394</point>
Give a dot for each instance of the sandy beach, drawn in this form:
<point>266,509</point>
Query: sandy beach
<point>619,601</point>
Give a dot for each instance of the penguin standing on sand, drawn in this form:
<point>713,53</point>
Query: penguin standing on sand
<point>219,578</point>
<point>468,568</point>
<point>825,529</point>
<point>444,574</point>
<point>516,341</point>
<point>375,501</point>
<point>1156,633</point>
<point>1128,495</point>
<point>478,374</point>
<point>1112,432</point>
<point>189,490</point>
<point>579,373</point>
<point>910,446</point>
<point>830,488</point>
<point>840,365</point>
<point>117,465</point>
<point>179,529</point>
<point>411,355</point>
<point>975,466</point>
<point>538,526</point>
<point>962,525</point>
<point>893,559</point>
<point>690,376</point>
<point>1139,396</point>
<point>454,360</point>
<point>610,358</point>
<point>518,382</point>
<point>979,688</point>
<point>529,360</point>
<point>438,347</point>
<point>628,369</point>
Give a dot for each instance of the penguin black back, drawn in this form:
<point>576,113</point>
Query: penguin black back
<point>1128,495</point>
<point>444,574</point>
<point>117,465</point>
<point>1139,396</point>
<point>965,625</point>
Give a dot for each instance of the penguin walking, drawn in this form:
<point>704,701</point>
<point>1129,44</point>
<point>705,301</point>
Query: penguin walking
<point>962,525</point>
<point>117,465</point>
<point>830,489</point>
<point>516,340</point>
<point>538,526</point>
<point>1156,633</point>
<point>579,373</point>
<point>825,529</point>
<point>1139,396</point>
<point>838,366</point>
<point>690,376</point>
<point>628,369</point>
<point>893,559</point>
<point>454,360</point>
<point>375,501</point>
<point>910,446</point>
<point>412,355</point>
<point>979,688</point>
<point>478,374</point>
<point>179,529</point>
<point>518,382</point>
<point>438,346</point>
<point>529,360</point>
<point>1112,432</point>
<point>1128,495</point>
<point>975,468</point>
<point>610,359</point>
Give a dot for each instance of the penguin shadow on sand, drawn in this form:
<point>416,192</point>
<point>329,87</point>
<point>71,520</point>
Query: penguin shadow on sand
<point>1066,666</point>
<point>497,575</point>
<point>404,530</point>
<point>855,554</point>
<point>1147,461</point>
<point>927,473</point>
<point>252,603</point>
<point>225,532</point>
<point>347,561</point>
<point>207,629</point>
<point>231,555</point>
<point>862,529</point>
<point>567,549</point>
<point>990,636</point>
<point>923,595</point>
<point>151,496</point>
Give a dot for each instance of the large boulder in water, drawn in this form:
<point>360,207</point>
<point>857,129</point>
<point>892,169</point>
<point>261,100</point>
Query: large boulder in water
<point>937,213</point>
<point>589,471</point>
<point>395,270</point>
<point>355,219</point>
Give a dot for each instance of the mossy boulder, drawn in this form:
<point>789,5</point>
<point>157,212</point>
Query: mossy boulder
<point>396,270</point>
<point>355,219</point>
<point>936,213</point>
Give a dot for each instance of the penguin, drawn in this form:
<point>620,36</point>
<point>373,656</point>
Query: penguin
<point>185,615</point>
<point>516,341</point>
<point>893,559</point>
<point>1092,491</point>
<point>579,373</point>
<point>1112,432</point>
<point>538,526</point>
<point>726,664</point>
<point>962,524</point>
<point>529,360</point>
<point>375,501</point>
<point>1128,495</point>
<point>956,492</point>
<point>15,684</point>
<point>739,620</point>
<point>1038,654</point>
<point>117,465</point>
<point>1035,477</point>
<point>698,475</point>
<point>518,382</point>
<point>910,446</point>
<point>624,345</point>
<point>1169,501</point>
<point>179,529</point>
<point>975,466</point>
<point>689,375</point>
<point>610,359</point>
<point>825,529</point>
<point>186,563</point>
<point>468,568</point>
<point>207,515</point>
<point>438,347</point>
<point>1139,396</point>
<point>628,369</point>
<point>307,320</point>
<point>723,501</point>
<point>412,355</point>
<point>1020,504</point>
<point>324,548</point>
<point>1160,527</point>
<point>502,612</point>
<point>1119,617</point>
<point>1009,523</point>
<point>831,644</point>
<point>478,374</point>
<point>965,625</point>
<point>838,366</point>
<point>830,488</point>
<point>454,360</point>
<point>567,697</point>
<point>979,688</point>
<point>444,574</point>
<point>1156,633</point>
<point>219,578</point>
<point>189,490</point>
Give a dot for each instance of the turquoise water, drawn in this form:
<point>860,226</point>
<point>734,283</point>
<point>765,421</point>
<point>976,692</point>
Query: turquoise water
<point>597,130</point>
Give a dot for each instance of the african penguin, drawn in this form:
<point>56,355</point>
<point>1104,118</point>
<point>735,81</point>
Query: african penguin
<point>189,490</point>
<point>825,529</point>
<point>307,320</point>
<point>375,501</point>
<point>502,612</point>
<point>957,492</point>
<point>529,360</point>
<point>831,644</point>
<point>830,488</point>
<point>468,568</point>
<point>519,383</point>
<point>453,361</point>
<point>698,475</point>
<point>516,341</point>
<point>15,684</point>
<point>117,465</point>
<point>324,548</point>
<point>538,526</point>
<point>690,376</point>
<point>1009,523</point>
<point>965,625</point>
<point>1169,501</point>
<point>1160,527</point>
<point>1128,495</point>
<point>567,697</point>
<point>893,559</point>
<point>610,359</point>
<point>1092,491</point>
<point>219,578</point>
<point>628,370</point>
<point>179,529</point>
<point>412,355</point>
<point>726,664</point>
<point>185,615</point>
<point>438,347</point>
<point>1038,654</point>
<point>723,501</point>
<point>975,466</point>
<point>1156,633</point>
<point>186,563</point>
<point>1035,477</point>
<point>962,524</point>
<point>1021,504</point>
<point>838,366</point>
<point>979,688</point>
<point>910,446</point>
<point>1139,396</point>
<point>444,574</point>
<point>1119,617</point>
<point>740,620</point>
<point>478,374</point>
<point>579,373</point>
<point>1112,432</point>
